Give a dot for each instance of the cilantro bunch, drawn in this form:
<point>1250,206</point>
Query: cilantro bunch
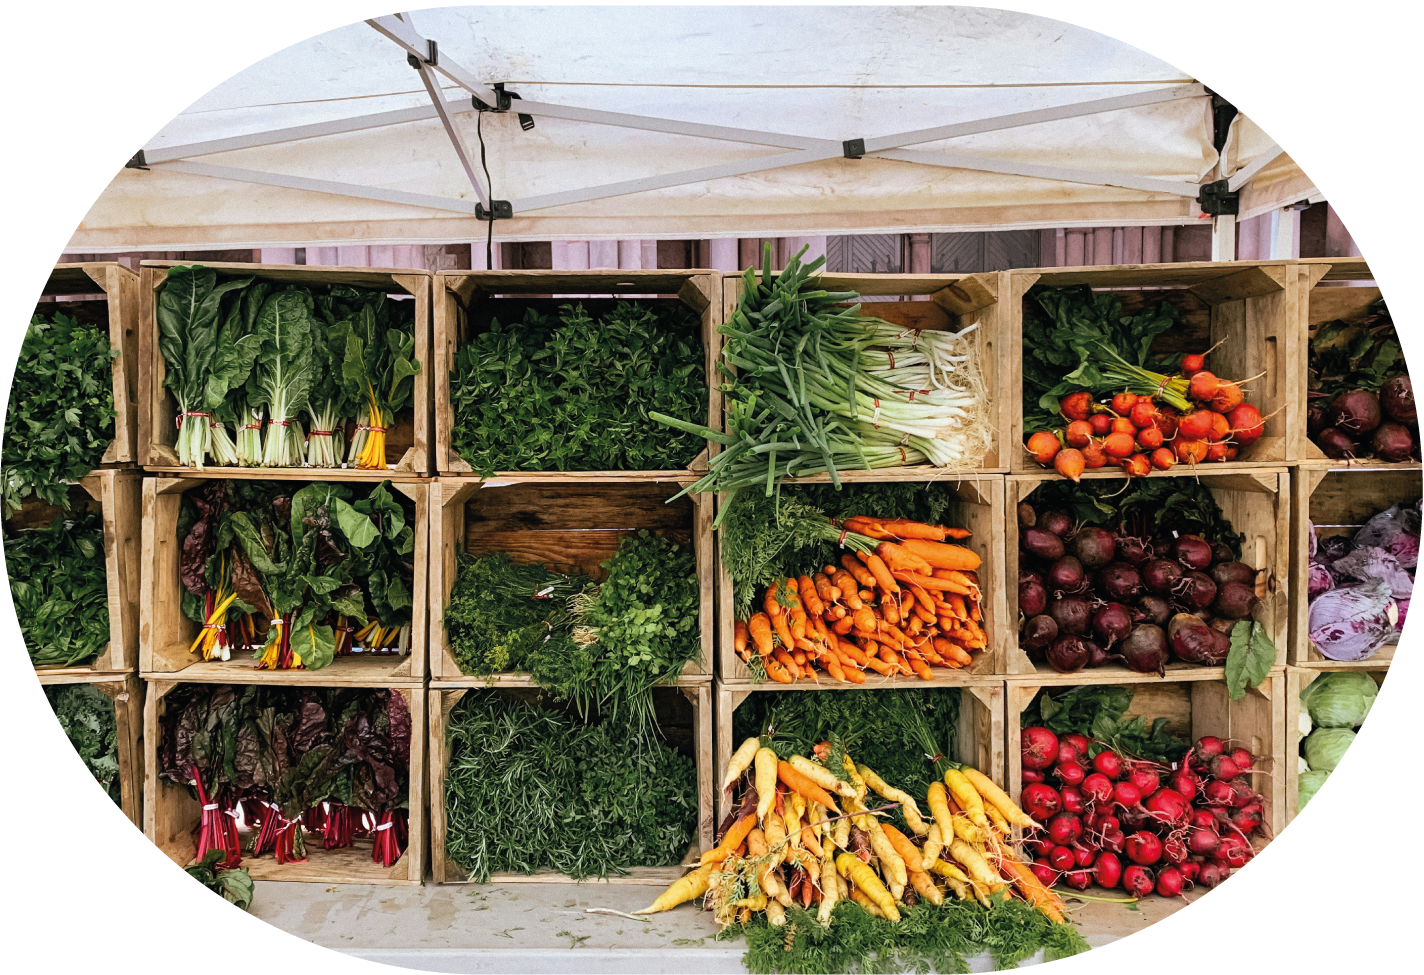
<point>59,584</point>
<point>60,418</point>
<point>573,392</point>
<point>87,716</point>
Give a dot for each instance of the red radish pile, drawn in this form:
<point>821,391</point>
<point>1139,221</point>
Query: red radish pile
<point>1136,825</point>
<point>1192,418</point>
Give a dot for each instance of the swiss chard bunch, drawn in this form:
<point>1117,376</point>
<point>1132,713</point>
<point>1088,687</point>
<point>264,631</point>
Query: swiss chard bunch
<point>61,414</point>
<point>87,716</point>
<point>573,392</point>
<point>59,584</point>
<point>1098,713</point>
<point>378,367</point>
<point>1070,336</point>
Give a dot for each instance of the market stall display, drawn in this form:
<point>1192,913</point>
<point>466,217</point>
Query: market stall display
<point>560,371</point>
<point>1356,540</point>
<point>1214,346</point>
<point>102,716</point>
<point>1324,710</point>
<point>283,367</point>
<point>315,783</point>
<point>865,554</point>
<point>286,577</point>
<point>1148,575</point>
<point>525,789</point>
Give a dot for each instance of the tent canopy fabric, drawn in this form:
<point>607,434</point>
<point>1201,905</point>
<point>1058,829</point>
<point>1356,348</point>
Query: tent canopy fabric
<point>797,82</point>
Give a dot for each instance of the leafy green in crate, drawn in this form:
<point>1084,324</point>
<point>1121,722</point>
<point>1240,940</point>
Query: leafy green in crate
<point>87,716</point>
<point>1360,354</point>
<point>572,392</point>
<point>1098,712</point>
<point>60,417</point>
<point>60,587</point>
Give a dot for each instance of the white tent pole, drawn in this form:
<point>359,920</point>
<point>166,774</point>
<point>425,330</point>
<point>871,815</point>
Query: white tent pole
<point>438,100</point>
<point>1247,172</point>
<point>1223,238</point>
<point>272,137</point>
<point>399,29</point>
<point>956,160</point>
<point>318,186</point>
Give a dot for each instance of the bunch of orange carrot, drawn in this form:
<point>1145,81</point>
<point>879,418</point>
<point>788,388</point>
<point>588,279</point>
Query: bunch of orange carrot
<point>906,601</point>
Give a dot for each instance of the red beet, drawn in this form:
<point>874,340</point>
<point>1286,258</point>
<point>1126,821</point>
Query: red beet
<point>1039,748</point>
<point>1127,794</point>
<point>1094,547</point>
<point>1218,793</point>
<point>1397,400</point>
<point>1108,822</point>
<point>1193,551</point>
<point>1242,794</point>
<point>1107,870</point>
<point>1068,751</point>
<point>1169,882</point>
<point>1191,870</point>
<point>1113,840</point>
<point>1161,576</point>
<point>1097,656</point>
<point>1203,819</point>
<point>1109,764</point>
<point>1073,615</point>
<point>1154,609</point>
<point>1042,543</point>
<point>1078,879</point>
<point>1073,800</point>
<point>1243,758</point>
<point>1336,444</point>
<point>1066,574</point>
<point>1041,801</point>
<point>1033,598</point>
<point>1174,850</point>
<point>1112,622</point>
<point>1069,653</point>
<point>1070,773</point>
<point>1223,768</point>
<point>1146,780</point>
<point>1234,850</point>
<point>1061,858</point>
<point>1132,550</point>
<point>1098,788</point>
<point>1192,640</point>
<point>1065,828</point>
<point>1080,744</point>
<point>1120,580</point>
<point>1202,842</point>
<point>1083,856</point>
<point>1044,872</point>
<point>1145,649</point>
<point>1169,806</point>
<point>1392,442</point>
<point>1030,775</point>
<point>1213,873</point>
<point>1057,522</point>
<point>1235,601</point>
<point>1138,881</point>
<point>1231,571</point>
<point>1196,591</point>
<point>1248,818</point>
<point>1356,412</point>
<point>1040,631</point>
<point>1207,748</point>
<point>1144,848</point>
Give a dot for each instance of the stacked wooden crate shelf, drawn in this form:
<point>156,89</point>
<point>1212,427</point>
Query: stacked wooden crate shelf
<point>1297,679</point>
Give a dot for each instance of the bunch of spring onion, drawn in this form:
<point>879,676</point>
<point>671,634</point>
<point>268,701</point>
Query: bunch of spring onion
<point>820,388</point>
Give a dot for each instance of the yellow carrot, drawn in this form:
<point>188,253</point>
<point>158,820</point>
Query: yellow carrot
<point>765,760</point>
<point>974,863</point>
<point>968,799</point>
<point>933,845</point>
<point>997,798</point>
<point>830,889</point>
<point>851,867</point>
<point>822,776</point>
<point>684,889</point>
<point>740,761</point>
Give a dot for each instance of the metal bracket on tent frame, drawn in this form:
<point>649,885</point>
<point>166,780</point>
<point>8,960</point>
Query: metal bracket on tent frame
<point>853,148</point>
<point>1219,200</point>
<point>499,210</point>
<point>504,101</point>
<point>137,162</point>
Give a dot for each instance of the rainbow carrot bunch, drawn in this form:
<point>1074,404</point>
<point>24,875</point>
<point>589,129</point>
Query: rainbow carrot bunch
<point>910,604</point>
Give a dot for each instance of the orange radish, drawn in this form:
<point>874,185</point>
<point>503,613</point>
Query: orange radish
<point>1122,403</point>
<point>1044,446</point>
<point>1203,386</point>
<point>1093,456</point>
<point>1228,397</point>
<point>1191,451</point>
<point>1193,364</point>
<point>1101,424</point>
<point>1078,433</point>
<point>1246,424</point>
<point>1122,424</point>
<point>1163,459</point>
<point>1149,438</point>
<point>1069,463</point>
<point>1119,444</point>
<point>1220,429</point>
<point>1215,451</point>
<point>1195,425</point>
<point>1138,466</point>
<point>1076,406</point>
<point>1142,414</point>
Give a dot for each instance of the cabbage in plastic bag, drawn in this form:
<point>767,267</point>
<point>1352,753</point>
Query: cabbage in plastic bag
<point>1326,746</point>
<point>1318,580</point>
<point>1396,530</point>
<point>1369,562</point>
<point>1352,622</point>
<point>1310,783</point>
<point>1339,700</point>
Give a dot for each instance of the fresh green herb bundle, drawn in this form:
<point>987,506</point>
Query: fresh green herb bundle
<point>897,733</point>
<point>60,588</point>
<point>571,392</point>
<point>769,538</point>
<point>1146,508</point>
<point>1097,712</point>
<point>927,938</point>
<point>61,414</point>
<point>1360,354</point>
<point>1067,335</point>
<point>87,716</point>
<point>529,787</point>
<point>602,647</point>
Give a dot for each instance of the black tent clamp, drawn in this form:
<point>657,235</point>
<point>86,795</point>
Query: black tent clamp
<point>1218,199</point>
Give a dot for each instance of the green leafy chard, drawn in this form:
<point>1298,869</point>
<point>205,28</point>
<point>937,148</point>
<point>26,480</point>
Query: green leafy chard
<point>282,372</point>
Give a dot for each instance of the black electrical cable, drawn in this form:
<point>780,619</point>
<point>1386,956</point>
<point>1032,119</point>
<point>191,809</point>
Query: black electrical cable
<point>489,235</point>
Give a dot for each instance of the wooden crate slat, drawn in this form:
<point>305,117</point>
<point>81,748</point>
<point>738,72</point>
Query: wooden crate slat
<point>444,695</point>
<point>1297,680</point>
<point>407,441</point>
<point>170,813</point>
<point>165,633</point>
<point>1255,502</point>
<point>126,691</point>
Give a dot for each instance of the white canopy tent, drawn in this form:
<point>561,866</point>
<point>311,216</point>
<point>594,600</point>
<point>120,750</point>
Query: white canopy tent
<point>682,122</point>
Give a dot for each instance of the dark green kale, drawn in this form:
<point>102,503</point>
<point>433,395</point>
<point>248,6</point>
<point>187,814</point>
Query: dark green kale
<point>87,716</point>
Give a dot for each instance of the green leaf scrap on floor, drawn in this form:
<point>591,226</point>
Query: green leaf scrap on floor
<point>61,414</point>
<point>234,886</point>
<point>60,587</point>
<point>572,392</point>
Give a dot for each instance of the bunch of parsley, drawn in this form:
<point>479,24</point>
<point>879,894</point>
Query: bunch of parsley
<point>572,392</point>
<point>61,414</point>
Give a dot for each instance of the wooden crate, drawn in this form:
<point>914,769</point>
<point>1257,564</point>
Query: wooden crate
<point>979,508</point>
<point>115,494</point>
<point>695,734</point>
<point>466,302</point>
<point>126,691</point>
<point>171,813</point>
<point>979,737</point>
<point>1339,500</point>
<point>165,633</point>
<point>1255,502</point>
<point>935,302</point>
<point>407,441</point>
<point>1247,306</point>
<point>568,524</point>
<point>1195,704</point>
<point>117,313</point>
<point>1297,680</point>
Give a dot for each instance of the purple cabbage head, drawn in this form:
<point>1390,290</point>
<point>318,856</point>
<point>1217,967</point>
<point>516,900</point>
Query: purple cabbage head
<point>1320,580</point>
<point>1403,606</point>
<point>1396,530</point>
<point>1375,563</point>
<point>1352,622</point>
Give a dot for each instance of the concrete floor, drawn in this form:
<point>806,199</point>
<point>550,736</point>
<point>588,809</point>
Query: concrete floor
<point>545,927</point>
